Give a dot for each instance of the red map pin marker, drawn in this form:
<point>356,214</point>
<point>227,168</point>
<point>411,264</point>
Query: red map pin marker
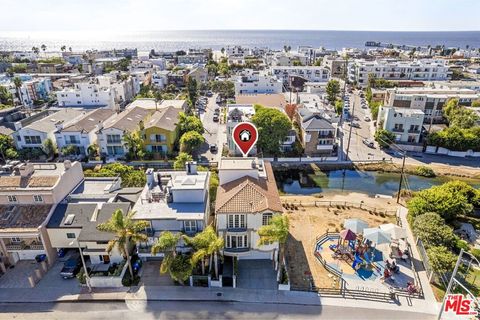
<point>245,136</point>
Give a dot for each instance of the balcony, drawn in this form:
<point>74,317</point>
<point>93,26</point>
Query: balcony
<point>237,229</point>
<point>400,130</point>
<point>417,131</point>
<point>325,147</point>
<point>24,245</point>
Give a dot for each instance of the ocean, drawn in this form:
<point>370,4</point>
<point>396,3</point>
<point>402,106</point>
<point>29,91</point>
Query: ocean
<point>216,39</point>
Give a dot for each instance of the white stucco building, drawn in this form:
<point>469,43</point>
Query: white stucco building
<point>86,95</point>
<point>405,123</point>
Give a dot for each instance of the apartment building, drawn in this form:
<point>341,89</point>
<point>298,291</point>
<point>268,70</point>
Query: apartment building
<point>289,59</point>
<point>123,86</point>
<point>30,91</point>
<point>28,196</point>
<point>175,201</point>
<point>82,133</point>
<point>33,131</point>
<point>110,136</point>
<point>87,94</point>
<point>160,131</point>
<point>247,198</point>
<point>252,82</point>
<point>309,73</point>
<point>336,66</point>
<point>428,100</point>
<point>419,70</point>
<point>405,123</point>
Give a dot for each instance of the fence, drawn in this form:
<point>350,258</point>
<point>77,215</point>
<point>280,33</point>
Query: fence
<point>340,204</point>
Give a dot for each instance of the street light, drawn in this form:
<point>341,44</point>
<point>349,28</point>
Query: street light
<point>452,279</point>
<point>87,277</point>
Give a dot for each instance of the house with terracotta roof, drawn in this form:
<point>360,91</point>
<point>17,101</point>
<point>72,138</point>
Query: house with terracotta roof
<point>28,196</point>
<point>247,198</point>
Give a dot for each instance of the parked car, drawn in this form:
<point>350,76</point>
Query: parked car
<point>71,267</point>
<point>354,124</point>
<point>216,111</point>
<point>369,143</point>
<point>367,118</point>
<point>216,118</point>
<point>364,106</point>
<point>209,94</point>
<point>213,147</point>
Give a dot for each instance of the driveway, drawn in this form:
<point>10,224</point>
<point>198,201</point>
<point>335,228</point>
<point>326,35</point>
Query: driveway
<point>17,276</point>
<point>151,275</point>
<point>256,274</point>
<point>53,280</point>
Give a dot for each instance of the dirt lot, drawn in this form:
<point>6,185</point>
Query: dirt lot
<point>307,223</point>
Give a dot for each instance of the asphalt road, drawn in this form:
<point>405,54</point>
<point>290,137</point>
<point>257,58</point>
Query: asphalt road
<point>214,132</point>
<point>137,310</point>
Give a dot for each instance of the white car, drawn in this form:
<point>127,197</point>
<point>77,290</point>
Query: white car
<point>367,118</point>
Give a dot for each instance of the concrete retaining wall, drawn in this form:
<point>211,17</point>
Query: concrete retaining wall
<point>452,153</point>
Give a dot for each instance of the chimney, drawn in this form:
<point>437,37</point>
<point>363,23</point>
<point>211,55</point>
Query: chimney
<point>150,178</point>
<point>191,167</point>
<point>67,164</point>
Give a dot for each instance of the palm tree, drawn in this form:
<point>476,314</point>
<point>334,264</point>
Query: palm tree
<point>207,244</point>
<point>70,49</point>
<point>44,47</point>
<point>18,84</point>
<point>134,143</point>
<point>276,230</point>
<point>93,150</point>
<point>35,50</point>
<point>63,48</point>
<point>178,266</point>
<point>126,231</point>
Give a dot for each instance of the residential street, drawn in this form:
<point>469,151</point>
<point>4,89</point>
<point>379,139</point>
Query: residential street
<point>192,310</point>
<point>214,132</point>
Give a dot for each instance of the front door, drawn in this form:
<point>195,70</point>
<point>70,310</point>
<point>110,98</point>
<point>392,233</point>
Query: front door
<point>106,259</point>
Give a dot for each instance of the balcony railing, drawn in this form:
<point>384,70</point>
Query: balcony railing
<point>24,246</point>
<point>414,131</point>
<point>236,229</point>
<point>235,250</point>
<point>398,130</point>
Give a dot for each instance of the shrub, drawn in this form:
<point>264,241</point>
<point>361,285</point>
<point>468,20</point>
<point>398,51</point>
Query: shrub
<point>476,253</point>
<point>425,172</point>
<point>441,259</point>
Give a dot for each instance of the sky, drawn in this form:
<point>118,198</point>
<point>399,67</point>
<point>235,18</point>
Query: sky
<point>93,17</point>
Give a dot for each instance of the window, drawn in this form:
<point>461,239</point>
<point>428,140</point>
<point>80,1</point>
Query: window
<point>266,217</point>
<point>190,226</point>
<point>70,235</point>
<point>15,239</point>
<point>12,198</point>
<point>236,221</point>
<point>113,138</point>
<point>33,140</point>
<point>37,198</point>
<point>234,242</point>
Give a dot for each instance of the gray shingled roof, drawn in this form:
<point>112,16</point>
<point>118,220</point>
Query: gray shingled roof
<point>90,121</point>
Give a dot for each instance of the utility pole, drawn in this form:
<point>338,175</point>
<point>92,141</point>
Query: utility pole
<point>401,177</point>
<point>351,127</point>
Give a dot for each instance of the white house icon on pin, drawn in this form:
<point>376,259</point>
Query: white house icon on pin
<point>245,135</point>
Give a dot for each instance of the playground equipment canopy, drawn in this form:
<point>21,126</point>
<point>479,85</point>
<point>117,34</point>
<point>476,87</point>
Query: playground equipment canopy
<point>376,235</point>
<point>395,231</point>
<point>348,234</point>
<point>356,225</point>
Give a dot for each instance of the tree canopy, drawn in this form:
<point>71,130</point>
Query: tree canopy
<point>441,259</point>
<point>7,148</point>
<point>181,159</point>
<point>384,137</point>
<point>190,141</point>
<point>433,231</point>
<point>273,126</point>
<point>333,90</point>
<point>448,200</point>
<point>189,123</point>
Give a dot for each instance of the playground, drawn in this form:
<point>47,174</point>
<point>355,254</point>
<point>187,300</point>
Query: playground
<point>307,223</point>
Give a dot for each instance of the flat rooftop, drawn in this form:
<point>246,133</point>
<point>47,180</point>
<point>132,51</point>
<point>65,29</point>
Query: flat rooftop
<point>239,163</point>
